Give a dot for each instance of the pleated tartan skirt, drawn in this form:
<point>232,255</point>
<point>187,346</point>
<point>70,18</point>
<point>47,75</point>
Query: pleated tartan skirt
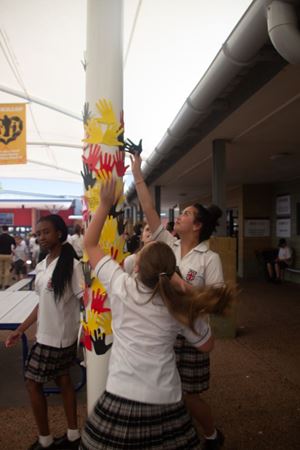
<point>117,423</point>
<point>192,365</point>
<point>45,363</point>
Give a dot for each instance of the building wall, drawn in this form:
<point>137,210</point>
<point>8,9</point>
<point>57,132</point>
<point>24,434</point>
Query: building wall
<point>23,216</point>
<point>257,204</point>
<point>292,189</point>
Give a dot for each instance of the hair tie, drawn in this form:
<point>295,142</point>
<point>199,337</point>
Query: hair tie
<point>169,275</point>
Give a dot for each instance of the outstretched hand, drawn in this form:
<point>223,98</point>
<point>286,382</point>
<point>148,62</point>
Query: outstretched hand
<point>136,163</point>
<point>13,338</point>
<point>108,192</point>
<point>132,148</point>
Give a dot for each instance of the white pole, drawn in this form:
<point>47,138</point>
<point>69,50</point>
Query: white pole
<point>104,80</point>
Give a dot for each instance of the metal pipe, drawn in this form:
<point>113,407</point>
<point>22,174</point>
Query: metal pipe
<point>284,31</point>
<point>39,101</point>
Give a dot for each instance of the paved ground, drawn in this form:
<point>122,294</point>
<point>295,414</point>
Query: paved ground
<point>255,388</point>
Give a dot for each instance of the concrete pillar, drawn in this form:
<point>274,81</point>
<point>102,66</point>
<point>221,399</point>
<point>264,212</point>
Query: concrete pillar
<point>171,215</point>
<point>219,181</point>
<point>104,80</point>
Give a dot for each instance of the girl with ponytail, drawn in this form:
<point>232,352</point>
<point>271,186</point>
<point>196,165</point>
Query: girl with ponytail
<point>142,405</point>
<point>59,285</point>
<point>199,266</point>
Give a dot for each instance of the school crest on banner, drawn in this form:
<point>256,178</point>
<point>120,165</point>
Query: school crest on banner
<point>13,133</point>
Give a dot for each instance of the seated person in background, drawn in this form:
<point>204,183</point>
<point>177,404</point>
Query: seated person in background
<point>282,261</point>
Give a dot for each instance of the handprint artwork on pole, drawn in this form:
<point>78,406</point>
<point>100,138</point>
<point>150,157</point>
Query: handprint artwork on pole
<point>93,156</point>
<point>119,163</point>
<point>103,157</point>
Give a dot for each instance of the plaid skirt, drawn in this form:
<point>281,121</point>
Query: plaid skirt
<point>192,365</point>
<point>117,423</point>
<point>45,363</point>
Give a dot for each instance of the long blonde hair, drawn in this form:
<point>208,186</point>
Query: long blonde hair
<point>157,265</point>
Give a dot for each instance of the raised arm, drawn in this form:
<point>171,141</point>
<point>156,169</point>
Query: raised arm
<point>143,193</point>
<point>93,232</point>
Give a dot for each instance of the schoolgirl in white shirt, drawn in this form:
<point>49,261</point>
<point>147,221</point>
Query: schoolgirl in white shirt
<point>142,406</point>
<point>130,261</point>
<point>199,266</point>
<point>59,284</point>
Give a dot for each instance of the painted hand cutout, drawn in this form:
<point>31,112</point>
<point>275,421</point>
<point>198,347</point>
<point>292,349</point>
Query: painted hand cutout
<point>87,340</point>
<point>96,284</point>
<point>132,148</point>
<point>103,175</point>
<point>98,300</point>
<point>106,162</point>
<point>94,154</point>
<point>91,324</point>
<point>93,197</point>
<point>106,112</point>
<point>105,323</point>
<point>99,343</point>
<point>117,250</point>
<point>119,163</point>
<point>111,135</point>
<point>87,176</point>
<point>93,132</point>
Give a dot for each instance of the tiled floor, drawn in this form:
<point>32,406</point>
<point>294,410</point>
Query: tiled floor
<point>255,386</point>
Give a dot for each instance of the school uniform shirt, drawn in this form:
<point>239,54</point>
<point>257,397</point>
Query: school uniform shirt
<point>129,264</point>
<point>20,252</point>
<point>58,321</point>
<point>200,266</point>
<point>77,242</point>
<point>284,253</point>
<point>142,364</point>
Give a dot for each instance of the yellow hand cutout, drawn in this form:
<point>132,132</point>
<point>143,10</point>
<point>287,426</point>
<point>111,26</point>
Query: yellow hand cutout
<point>111,135</point>
<point>103,175</point>
<point>96,284</point>
<point>106,112</point>
<point>93,132</point>
<point>105,323</point>
<point>117,250</point>
<point>109,232</point>
<point>92,323</point>
<point>92,196</point>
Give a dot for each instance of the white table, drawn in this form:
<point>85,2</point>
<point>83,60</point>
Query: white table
<point>15,307</point>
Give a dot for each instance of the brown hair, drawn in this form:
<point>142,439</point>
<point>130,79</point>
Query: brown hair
<point>156,267</point>
<point>208,217</point>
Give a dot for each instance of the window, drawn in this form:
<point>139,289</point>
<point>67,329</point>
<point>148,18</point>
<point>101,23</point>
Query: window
<point>6,219</point>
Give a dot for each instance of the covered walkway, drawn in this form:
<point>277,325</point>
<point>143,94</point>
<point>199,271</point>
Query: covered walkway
<point>255,389</point>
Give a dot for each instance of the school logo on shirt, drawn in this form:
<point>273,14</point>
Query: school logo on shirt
<point>49,285</point>
<point>191,275</point>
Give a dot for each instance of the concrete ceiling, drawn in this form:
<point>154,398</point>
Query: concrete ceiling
<point>263,136</point>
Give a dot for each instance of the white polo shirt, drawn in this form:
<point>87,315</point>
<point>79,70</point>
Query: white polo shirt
<point>201,266</point>
<point>142,364</point>
<point>129,263</point>
<point>284,253</point>
<point>58,321</point>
